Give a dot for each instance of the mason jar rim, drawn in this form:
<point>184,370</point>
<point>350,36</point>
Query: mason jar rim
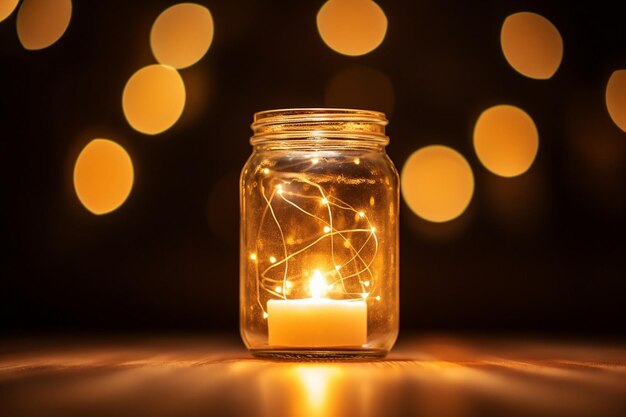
<point>319,123</point>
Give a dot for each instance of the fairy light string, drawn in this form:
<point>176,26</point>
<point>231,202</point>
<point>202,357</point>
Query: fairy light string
<point>349,276</point>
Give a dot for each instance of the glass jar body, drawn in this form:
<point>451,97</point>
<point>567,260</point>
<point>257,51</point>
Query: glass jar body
<point>319,249</point>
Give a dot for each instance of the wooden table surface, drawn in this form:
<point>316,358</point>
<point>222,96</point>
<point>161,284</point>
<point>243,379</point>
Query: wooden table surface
<point>207,376</point>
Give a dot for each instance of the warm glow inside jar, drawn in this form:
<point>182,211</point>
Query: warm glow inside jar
<point>319,236</point>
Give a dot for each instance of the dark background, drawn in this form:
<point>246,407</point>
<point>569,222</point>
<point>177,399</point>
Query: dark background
<point>543,252</point>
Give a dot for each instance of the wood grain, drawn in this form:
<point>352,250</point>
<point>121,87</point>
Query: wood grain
<point>212,376</point>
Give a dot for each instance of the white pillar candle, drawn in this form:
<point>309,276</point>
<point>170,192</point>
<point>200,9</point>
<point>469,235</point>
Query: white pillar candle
<point>316,322</point>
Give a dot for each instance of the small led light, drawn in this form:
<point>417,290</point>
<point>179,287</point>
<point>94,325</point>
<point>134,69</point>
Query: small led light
<point>357,161</point>
<point>264,315</point>
<point>365,294</point>
<point>253,256</point>
<point>266,171</point>
<point>288,284</point>
<point>361,214</point>
<point>324,201</point>
<point>346,243</point>
<point>272,259</point>
<point>326,229</point>
<point>378,298</point>
<point>315,160</point>
<point>279,289</point>
<point>366,283</point>
<point>373,230</point>
<point>337,267</point>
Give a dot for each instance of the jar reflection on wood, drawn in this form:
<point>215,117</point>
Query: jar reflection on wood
<point>319,236</point>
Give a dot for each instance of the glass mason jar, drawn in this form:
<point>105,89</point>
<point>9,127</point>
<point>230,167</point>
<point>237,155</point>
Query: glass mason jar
<point>319,236</point>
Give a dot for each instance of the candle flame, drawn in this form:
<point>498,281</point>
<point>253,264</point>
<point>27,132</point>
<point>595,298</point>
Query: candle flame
<point>317,285</point>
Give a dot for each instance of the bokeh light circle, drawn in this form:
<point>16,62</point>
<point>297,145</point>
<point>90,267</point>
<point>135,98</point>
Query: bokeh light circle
<point>6,8</point>
<point>616,98</point>
<point>182,34</point>
<point>506,140</point>
<point>154,99</point>
<point>437,183</point>
<point>352,27</point>
<point>40,23</point>
<point>532,45</point>
<point>103,176</point>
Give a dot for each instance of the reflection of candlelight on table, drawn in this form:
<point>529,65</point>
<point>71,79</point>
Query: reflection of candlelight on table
<point>316,391</point>
<point>199,376</point>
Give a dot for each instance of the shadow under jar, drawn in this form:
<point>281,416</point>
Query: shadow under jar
<point>319,236</point>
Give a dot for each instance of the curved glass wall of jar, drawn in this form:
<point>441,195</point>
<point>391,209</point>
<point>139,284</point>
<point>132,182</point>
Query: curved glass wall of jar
<point>319,236</point>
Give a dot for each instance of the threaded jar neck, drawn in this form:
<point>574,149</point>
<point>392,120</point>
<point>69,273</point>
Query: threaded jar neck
<point>314,124</point>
